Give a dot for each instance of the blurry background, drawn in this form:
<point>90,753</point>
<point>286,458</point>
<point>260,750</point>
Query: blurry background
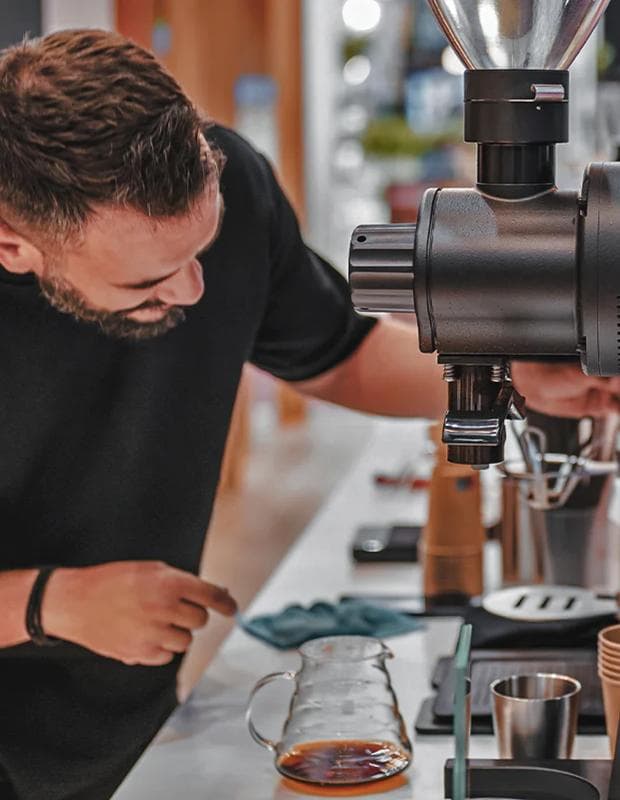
<point>358,105</point>
<point>357,102</point>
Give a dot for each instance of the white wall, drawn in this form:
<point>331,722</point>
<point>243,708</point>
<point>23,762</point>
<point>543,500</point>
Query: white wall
<point>59,14</point>
<point>581,149</point>
<point>322,35</point>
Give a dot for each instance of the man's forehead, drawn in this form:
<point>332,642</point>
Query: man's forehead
<point>129,220</point>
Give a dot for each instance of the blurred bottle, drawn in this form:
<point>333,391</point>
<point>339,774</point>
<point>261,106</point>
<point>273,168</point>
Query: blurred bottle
<point>453,540</point>
<point>256,113</point>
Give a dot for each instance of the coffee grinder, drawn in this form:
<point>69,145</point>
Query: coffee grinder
<point>512,268</point>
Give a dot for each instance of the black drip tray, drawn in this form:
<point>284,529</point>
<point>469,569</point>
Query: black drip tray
<point>489,665</point>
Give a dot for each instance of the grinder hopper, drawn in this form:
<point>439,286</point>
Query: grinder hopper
<point>518,34</point>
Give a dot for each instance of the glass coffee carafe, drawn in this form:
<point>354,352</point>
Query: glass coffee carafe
<point>343,726</point>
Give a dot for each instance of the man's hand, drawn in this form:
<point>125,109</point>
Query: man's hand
<point>562,390</point>
<point>139,612</point>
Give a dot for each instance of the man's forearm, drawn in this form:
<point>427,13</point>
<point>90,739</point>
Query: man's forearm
<point>386,375</point>
<point>15,586</point>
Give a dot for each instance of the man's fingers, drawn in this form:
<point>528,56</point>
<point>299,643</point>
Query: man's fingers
<point>597,403</point>
<point>208,595</point>
<point>190,616</point>
<point>156,657</point>
<point>175,640</point>
<point>592,403</point>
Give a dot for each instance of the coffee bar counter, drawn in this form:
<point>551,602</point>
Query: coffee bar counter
<point>205,750</point>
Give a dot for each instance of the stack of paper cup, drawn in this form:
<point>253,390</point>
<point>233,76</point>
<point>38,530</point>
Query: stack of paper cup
<point>609,673</point>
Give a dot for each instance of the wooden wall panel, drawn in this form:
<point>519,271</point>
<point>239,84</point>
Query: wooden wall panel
<point>135,18</point>
<point>284,63</point>
<point>214,42</point>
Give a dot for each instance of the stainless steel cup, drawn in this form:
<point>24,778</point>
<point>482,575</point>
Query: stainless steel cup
<point>535,716</point>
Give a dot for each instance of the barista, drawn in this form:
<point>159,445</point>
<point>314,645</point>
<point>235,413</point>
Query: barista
<point>146,256</point>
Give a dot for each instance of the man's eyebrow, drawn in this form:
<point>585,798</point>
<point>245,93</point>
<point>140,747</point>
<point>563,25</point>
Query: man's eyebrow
<point>147,284</point>
<point>155,281</point>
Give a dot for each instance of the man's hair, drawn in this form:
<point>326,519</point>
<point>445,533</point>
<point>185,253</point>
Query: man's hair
<point>87,117</point>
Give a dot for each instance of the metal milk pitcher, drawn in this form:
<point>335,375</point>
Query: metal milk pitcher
<point>556,528</point>
<point>343,726</point>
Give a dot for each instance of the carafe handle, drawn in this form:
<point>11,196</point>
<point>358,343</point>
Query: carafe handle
<point>274,676</point>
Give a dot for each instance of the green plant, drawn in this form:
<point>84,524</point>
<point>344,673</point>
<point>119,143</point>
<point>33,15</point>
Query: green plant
<point>354,46</point>
<point>392,136</point>
<point>605,56</point>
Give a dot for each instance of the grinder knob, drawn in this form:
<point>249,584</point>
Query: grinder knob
<point>381,267</point>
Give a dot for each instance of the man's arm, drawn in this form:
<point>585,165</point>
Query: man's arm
<point>388,375</point>
<point>138,612</point>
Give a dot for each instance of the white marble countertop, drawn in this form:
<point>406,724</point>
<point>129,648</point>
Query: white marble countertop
<point>205,750</point>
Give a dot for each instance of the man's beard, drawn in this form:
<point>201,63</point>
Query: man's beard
<point>116,324</point>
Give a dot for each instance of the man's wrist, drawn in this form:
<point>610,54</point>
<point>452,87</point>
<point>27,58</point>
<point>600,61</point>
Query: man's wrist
<point>60,601</point>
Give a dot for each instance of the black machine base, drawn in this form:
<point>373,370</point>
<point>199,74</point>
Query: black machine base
<point>536,780</point>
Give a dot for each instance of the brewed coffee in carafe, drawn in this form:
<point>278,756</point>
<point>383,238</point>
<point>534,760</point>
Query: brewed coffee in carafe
<point>343,761</point>
<point>344,726</point>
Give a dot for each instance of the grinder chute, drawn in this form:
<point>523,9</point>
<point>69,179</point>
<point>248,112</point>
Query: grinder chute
<point>513,268</point>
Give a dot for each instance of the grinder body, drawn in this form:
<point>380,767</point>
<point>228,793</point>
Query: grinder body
<point>512,268</point>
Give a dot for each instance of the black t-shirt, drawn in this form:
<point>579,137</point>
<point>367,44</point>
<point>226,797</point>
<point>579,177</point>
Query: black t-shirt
<point>111,450</point>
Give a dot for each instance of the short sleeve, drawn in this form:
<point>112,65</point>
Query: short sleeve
<point>309,324</point>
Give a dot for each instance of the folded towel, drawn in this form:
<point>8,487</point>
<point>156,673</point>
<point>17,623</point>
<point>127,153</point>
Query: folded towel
<point>295,624</point>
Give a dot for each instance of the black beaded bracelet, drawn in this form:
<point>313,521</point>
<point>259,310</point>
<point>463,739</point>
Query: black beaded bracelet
<point>33,610</point>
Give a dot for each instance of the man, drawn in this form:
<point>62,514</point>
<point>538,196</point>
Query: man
<point>146,257</point>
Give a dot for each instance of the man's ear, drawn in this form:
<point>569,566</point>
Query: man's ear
<point>18,253</point>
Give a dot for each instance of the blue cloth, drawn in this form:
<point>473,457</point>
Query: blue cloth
<point>295,624</point>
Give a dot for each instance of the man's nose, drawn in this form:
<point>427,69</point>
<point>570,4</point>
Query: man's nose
<point>185,288</point>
